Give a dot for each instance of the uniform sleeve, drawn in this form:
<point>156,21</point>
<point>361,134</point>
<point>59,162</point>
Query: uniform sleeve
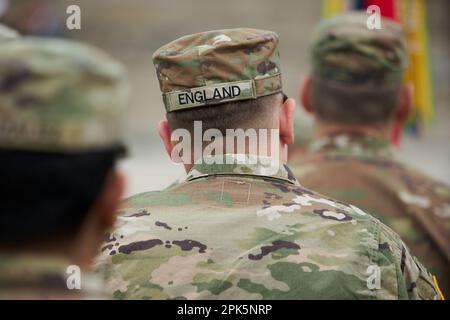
<point>429,205</point>
<point>414,282</point>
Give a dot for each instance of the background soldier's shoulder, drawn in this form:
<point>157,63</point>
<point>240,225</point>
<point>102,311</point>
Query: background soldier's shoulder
<point>412,278</point>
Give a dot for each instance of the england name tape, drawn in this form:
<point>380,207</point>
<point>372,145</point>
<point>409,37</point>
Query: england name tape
<point>212,94</point>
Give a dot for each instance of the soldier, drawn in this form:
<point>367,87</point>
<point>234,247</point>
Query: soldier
<point>60,108</point>
<point>239,226</point>
<point>357,97</point>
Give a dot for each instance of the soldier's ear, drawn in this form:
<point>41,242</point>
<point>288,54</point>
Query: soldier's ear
<point>165,134</point>
<point>405,104</point>
<point>287,121</point>
<point>402,113</point>
<point>304,91</point>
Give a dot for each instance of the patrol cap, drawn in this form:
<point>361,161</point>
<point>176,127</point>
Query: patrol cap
<point>59,96</point>
<point>344,49</point>
<point>219,66</point>
<point>7,33</point>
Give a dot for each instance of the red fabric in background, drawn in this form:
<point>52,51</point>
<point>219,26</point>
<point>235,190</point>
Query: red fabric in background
<point>387,7</point>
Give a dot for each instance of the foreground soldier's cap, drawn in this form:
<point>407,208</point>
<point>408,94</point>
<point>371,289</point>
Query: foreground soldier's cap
<point>7,33</point>
<point>345,50</point>
<point>215,67</point>
<point>59,96</point>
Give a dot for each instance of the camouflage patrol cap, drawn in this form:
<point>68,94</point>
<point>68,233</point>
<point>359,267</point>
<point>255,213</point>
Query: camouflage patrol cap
<point>7,33</point>
<point>59,96</point>
<point>344,49</point>
<point>215,67</point>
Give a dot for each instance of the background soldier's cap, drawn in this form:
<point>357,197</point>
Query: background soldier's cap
<point>344,49</point>
<point>60,96</point>
<point>7,33</point>
<point>219,66</point>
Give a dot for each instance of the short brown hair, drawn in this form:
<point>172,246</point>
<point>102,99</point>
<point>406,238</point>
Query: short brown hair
<point>240,114</point>
<point>342,103</point>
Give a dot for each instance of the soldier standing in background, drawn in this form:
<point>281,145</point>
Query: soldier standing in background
<point>239,225</point>
<point>358,99</point>
<point>61,104</point>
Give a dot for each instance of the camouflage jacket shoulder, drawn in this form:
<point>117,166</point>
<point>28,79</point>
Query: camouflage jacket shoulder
<point>374,157</point>
<point>249,232</point>
<point>25,277</point>
<point>363,170</point>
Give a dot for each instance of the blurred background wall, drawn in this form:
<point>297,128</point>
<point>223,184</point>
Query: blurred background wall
<point>132,30</point>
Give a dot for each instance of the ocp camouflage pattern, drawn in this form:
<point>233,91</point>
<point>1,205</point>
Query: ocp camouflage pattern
<point>363,170</point>
<point>38,276</point>
<point>59,96</point>
<point>345,50</point>
<point>235,232</point>
<point>221,56</point>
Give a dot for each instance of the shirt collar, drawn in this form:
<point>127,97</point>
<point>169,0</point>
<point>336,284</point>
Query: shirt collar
<point>241,165</point>
<point>44,271</point>
<point>32,270</point>
<point>353,144</point>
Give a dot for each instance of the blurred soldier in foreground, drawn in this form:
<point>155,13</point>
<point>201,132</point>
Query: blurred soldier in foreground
<point>356,95</point>
<point>60,109</point>
<point>239,226</point>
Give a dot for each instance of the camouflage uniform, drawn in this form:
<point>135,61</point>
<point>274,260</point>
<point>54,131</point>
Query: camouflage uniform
<point>62,97</point>
<point>365,172</point>
<point>200,63</point>
<point>241,227</point>
<point>361,169</point>
<point>28,277</point>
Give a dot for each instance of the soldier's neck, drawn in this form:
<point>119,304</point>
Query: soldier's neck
<point>78,249</point>
<point>281,151</point>
<point>325,129</point>
<point>57,247</point>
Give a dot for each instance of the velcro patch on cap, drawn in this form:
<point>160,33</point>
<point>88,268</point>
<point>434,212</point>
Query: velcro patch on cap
<point>212,94</point>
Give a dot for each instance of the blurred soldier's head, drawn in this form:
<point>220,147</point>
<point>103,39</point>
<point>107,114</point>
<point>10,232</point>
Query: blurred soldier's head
<point>61,106</point>
<point>228,79</point>
<point>7,33</point>
<point>356,79</point>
